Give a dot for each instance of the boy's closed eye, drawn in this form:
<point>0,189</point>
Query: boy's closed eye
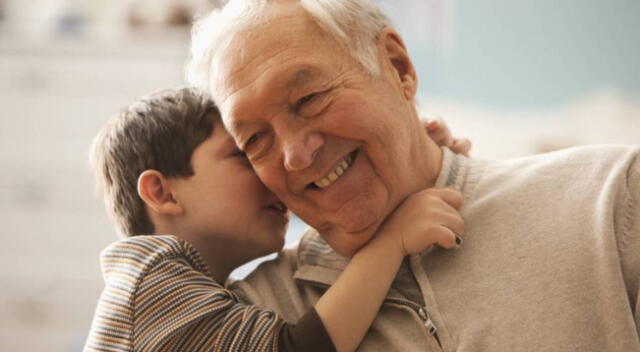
<point>230,149</point>
<point>239,153</point>
<point>242,156</point>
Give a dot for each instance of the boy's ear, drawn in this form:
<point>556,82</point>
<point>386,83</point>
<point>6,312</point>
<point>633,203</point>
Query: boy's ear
<point>393,51</point>
<point>156,192</point>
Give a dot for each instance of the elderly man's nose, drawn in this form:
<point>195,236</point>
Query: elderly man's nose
<point>300,151</point>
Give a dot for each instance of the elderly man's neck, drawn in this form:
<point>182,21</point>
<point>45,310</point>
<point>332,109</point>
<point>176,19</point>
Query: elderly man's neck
<point>426,157</point>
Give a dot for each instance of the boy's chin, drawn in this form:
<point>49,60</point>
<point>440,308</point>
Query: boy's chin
<point>275,246</point>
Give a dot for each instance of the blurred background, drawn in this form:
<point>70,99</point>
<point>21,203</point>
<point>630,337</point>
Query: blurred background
<point>517,77</point>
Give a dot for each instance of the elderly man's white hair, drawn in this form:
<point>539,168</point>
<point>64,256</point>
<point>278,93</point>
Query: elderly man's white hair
<point>353,23</point>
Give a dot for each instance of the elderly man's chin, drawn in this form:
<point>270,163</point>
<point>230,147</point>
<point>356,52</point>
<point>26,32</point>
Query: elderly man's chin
<point>350,227</point>
<point>348,238</point>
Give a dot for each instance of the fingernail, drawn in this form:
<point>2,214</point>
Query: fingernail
<point>459,241</point>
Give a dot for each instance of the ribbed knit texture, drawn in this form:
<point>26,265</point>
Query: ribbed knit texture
<point>159,296</point>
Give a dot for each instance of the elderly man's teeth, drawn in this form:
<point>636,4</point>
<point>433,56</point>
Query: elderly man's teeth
<point>334,175</point>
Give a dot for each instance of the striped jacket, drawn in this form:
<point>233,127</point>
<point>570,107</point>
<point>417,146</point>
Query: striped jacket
<point>159,296</point>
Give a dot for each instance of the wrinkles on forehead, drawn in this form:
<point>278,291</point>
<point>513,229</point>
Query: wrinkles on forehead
<point>244,43</point>
<point>255,61</point>
<point>247,94</point>
<point>280,21</point>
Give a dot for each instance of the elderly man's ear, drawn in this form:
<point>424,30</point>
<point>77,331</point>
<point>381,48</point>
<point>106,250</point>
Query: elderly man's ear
<point>156,191</point>
<point>395,55</point>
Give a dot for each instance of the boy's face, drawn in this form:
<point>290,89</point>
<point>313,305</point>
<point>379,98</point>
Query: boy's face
<point>225,202</point>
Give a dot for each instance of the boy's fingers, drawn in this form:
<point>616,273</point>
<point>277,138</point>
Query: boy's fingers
<point>450,195</point>
<point>439,132</point>
<point>461,146</point>
<point>442,137</point>
<point>447,134</point>
<point>453,221</point>
<point>431,125</point>
<point>459,241</point>
<point>446,238</point>
<point>446,215</point>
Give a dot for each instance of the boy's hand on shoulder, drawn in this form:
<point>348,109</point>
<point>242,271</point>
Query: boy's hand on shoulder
<point>441,135</point>
<point>428,217</point>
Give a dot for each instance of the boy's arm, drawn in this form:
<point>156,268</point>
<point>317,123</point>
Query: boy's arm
<point>349,307</point>
<point>172,306</point>
<point>178,308</point>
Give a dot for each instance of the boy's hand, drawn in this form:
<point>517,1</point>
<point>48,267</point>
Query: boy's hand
<point>425,218</point>
<point>440,133</point>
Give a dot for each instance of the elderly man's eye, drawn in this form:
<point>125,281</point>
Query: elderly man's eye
<point>305,99</point>
<point>252,140</point>
<point>257,144</point>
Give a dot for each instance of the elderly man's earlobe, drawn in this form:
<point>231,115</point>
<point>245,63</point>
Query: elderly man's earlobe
<point>396,57</point>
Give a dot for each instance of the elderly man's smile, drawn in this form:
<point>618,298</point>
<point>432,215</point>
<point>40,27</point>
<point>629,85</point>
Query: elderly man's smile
<point>349,192</point>
<point>336,172</point>
<point>337,193</point>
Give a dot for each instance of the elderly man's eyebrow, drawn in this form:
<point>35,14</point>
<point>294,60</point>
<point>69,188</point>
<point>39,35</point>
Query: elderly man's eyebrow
<point>300,78</point>
<point>236,127</point>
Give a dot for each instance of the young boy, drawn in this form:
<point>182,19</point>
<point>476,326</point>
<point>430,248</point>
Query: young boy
<point>193,210</point>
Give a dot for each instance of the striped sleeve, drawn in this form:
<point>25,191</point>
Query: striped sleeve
<point>112,325</point>
<point>158,296</point>
<point>177,308</point>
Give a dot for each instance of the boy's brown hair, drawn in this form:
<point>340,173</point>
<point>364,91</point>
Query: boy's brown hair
<point>158,132</point>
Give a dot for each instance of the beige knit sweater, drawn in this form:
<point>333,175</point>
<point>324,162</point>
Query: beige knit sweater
<point>550,262</point>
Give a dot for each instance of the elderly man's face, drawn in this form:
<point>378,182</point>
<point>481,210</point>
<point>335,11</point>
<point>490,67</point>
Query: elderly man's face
<point>335,144</point>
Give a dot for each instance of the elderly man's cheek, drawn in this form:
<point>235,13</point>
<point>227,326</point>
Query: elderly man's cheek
<point>358,217</point>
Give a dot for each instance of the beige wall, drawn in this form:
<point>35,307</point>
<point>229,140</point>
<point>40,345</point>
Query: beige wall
<point>54,96</point>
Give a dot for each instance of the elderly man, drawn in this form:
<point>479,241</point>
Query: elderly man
<point>320,96</point>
